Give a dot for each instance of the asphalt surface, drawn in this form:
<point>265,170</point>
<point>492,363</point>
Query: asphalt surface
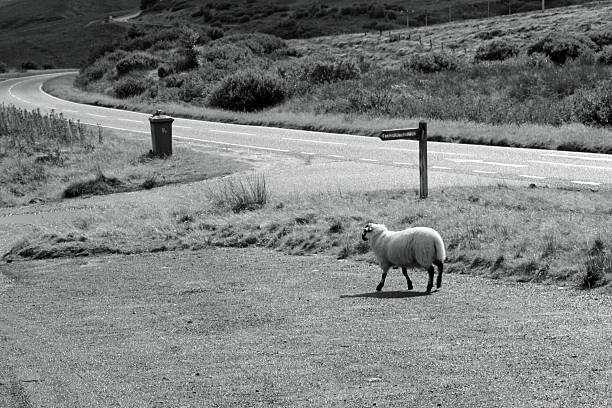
<point>454,164</point>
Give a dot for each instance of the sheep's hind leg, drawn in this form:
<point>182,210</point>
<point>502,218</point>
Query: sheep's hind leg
<point>430,271</point>
<point>382,282</point>
<point>440,266</point>
<point>405,272</point>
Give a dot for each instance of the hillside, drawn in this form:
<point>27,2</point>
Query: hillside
<point>309,18</point>
<point>57,33</point>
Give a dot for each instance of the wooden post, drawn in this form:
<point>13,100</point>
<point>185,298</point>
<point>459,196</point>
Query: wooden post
<point>423,159</point>
<point>419,134</point>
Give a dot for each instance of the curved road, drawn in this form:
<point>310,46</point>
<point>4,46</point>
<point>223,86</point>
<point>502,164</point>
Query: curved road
<point>449,163</point>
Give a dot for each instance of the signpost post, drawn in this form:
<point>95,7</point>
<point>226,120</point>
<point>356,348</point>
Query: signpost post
<point>419,134</point>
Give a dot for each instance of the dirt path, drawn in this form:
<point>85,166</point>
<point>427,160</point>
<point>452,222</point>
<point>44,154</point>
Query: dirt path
<point>258,328</point>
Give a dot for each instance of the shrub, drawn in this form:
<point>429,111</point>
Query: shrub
<point>29,65</point>
<point>594,106</point>
<point>164,70</point>
<point>192,87</point>
<point>145,4</point>
<point>326,71</point>
<point>130,86</point>
<point>248,90</point>
<point>188,60</point>
<point>561,47</point>
<point>135,61</point>
<point>497,50</point>
<point>601,38</point>
<point>258,43</point>
<point>93,72</point>
<point>432,62</point>
<point>605,56</point>
<point>3,67</point>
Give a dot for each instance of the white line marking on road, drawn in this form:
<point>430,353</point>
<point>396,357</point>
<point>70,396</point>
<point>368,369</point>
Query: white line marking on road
<point>232,144</point>
<point>588,183</point>
<point>130,120</point>
<point>368,160</point>
<point>583,166</point>
<point>336,156</point>
<point>479,161</point>
<point>504,164</point>
<point>98,116</point>
<point>314,141</point>
<point>70,110</point>
<point>402,164</point>
<point>465,160</point>
<point>231,132</point>
<point>484,172</point>
<point>532,177</point>
<point>182,127</point>
<point>568,156</point>
<point>308,153</point>
<point>441,168</point>
<point>399,149</point>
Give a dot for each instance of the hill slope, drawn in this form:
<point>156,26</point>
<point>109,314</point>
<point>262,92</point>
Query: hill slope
<point>57,33</point>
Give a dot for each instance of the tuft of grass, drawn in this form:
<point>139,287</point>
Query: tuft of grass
<point>598,266</point>
<point>97,186</point>
<point>240,194</point>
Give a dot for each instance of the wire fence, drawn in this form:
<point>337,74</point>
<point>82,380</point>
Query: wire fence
<point>417,13</point>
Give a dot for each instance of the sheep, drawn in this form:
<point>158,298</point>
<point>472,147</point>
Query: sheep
<point>418,246</point>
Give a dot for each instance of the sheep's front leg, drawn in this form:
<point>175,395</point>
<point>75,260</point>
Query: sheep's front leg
<point>405,272</point>
<point>430,271</point>
<point>385,269</point>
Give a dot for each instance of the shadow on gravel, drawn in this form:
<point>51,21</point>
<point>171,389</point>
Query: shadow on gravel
<point>395,294</point>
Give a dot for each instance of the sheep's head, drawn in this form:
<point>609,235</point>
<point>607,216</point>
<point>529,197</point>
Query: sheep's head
<point>372,228</point>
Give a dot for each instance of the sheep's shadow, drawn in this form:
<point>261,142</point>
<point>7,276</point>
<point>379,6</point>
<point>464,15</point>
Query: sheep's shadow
<point>393,294</point>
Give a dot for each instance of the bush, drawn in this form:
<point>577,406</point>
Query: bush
<point>130,86</point>
<point>605,56</point>
<point>258,43</point>
<point>248,90</point>
<point>3,67</point>
<point>327,71</point>
<point>561,47</point>
<point>164,70</point>
<point>497,50</point>
<point>594,106</point>
<point>135,61</point>
<point>93,72</point>
<point>432,62</point>
<point>192,87</point>
<point>601,38</point>
<point>188,60</point>
<point>29,65</point>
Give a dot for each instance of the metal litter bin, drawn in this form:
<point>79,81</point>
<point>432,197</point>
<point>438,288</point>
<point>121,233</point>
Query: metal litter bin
<point>161,134</point>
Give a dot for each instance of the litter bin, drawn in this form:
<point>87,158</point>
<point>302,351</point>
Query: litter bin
<point>161,134</point>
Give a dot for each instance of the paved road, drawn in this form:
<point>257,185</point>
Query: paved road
<point>455,162</point>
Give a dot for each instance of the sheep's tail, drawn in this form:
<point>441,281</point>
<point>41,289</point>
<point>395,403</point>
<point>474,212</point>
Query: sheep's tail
<point>440,251</point>
<point>439,261</point>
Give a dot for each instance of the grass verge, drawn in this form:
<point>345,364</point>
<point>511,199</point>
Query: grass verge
<point>526,234</point>
<point>46,157</point>
<point>570,137</point>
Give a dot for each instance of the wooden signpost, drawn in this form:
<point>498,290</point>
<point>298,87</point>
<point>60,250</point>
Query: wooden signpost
<point>419,134</point>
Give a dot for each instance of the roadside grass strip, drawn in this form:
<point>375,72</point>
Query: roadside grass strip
<point>522,233</point>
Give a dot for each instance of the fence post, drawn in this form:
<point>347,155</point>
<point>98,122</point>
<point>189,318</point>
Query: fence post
<point>423,159</point>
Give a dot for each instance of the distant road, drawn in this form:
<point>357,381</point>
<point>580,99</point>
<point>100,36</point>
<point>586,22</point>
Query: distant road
<point>452,163</point>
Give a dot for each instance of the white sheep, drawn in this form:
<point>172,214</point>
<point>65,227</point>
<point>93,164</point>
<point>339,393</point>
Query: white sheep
<point>418,246</point>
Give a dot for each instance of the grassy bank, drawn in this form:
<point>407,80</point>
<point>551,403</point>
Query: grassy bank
<point>526,234</point>
<point>572,137</point>
<point>46,158</point>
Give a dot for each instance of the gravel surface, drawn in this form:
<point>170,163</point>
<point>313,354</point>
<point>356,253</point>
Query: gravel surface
<point>230,327</point>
